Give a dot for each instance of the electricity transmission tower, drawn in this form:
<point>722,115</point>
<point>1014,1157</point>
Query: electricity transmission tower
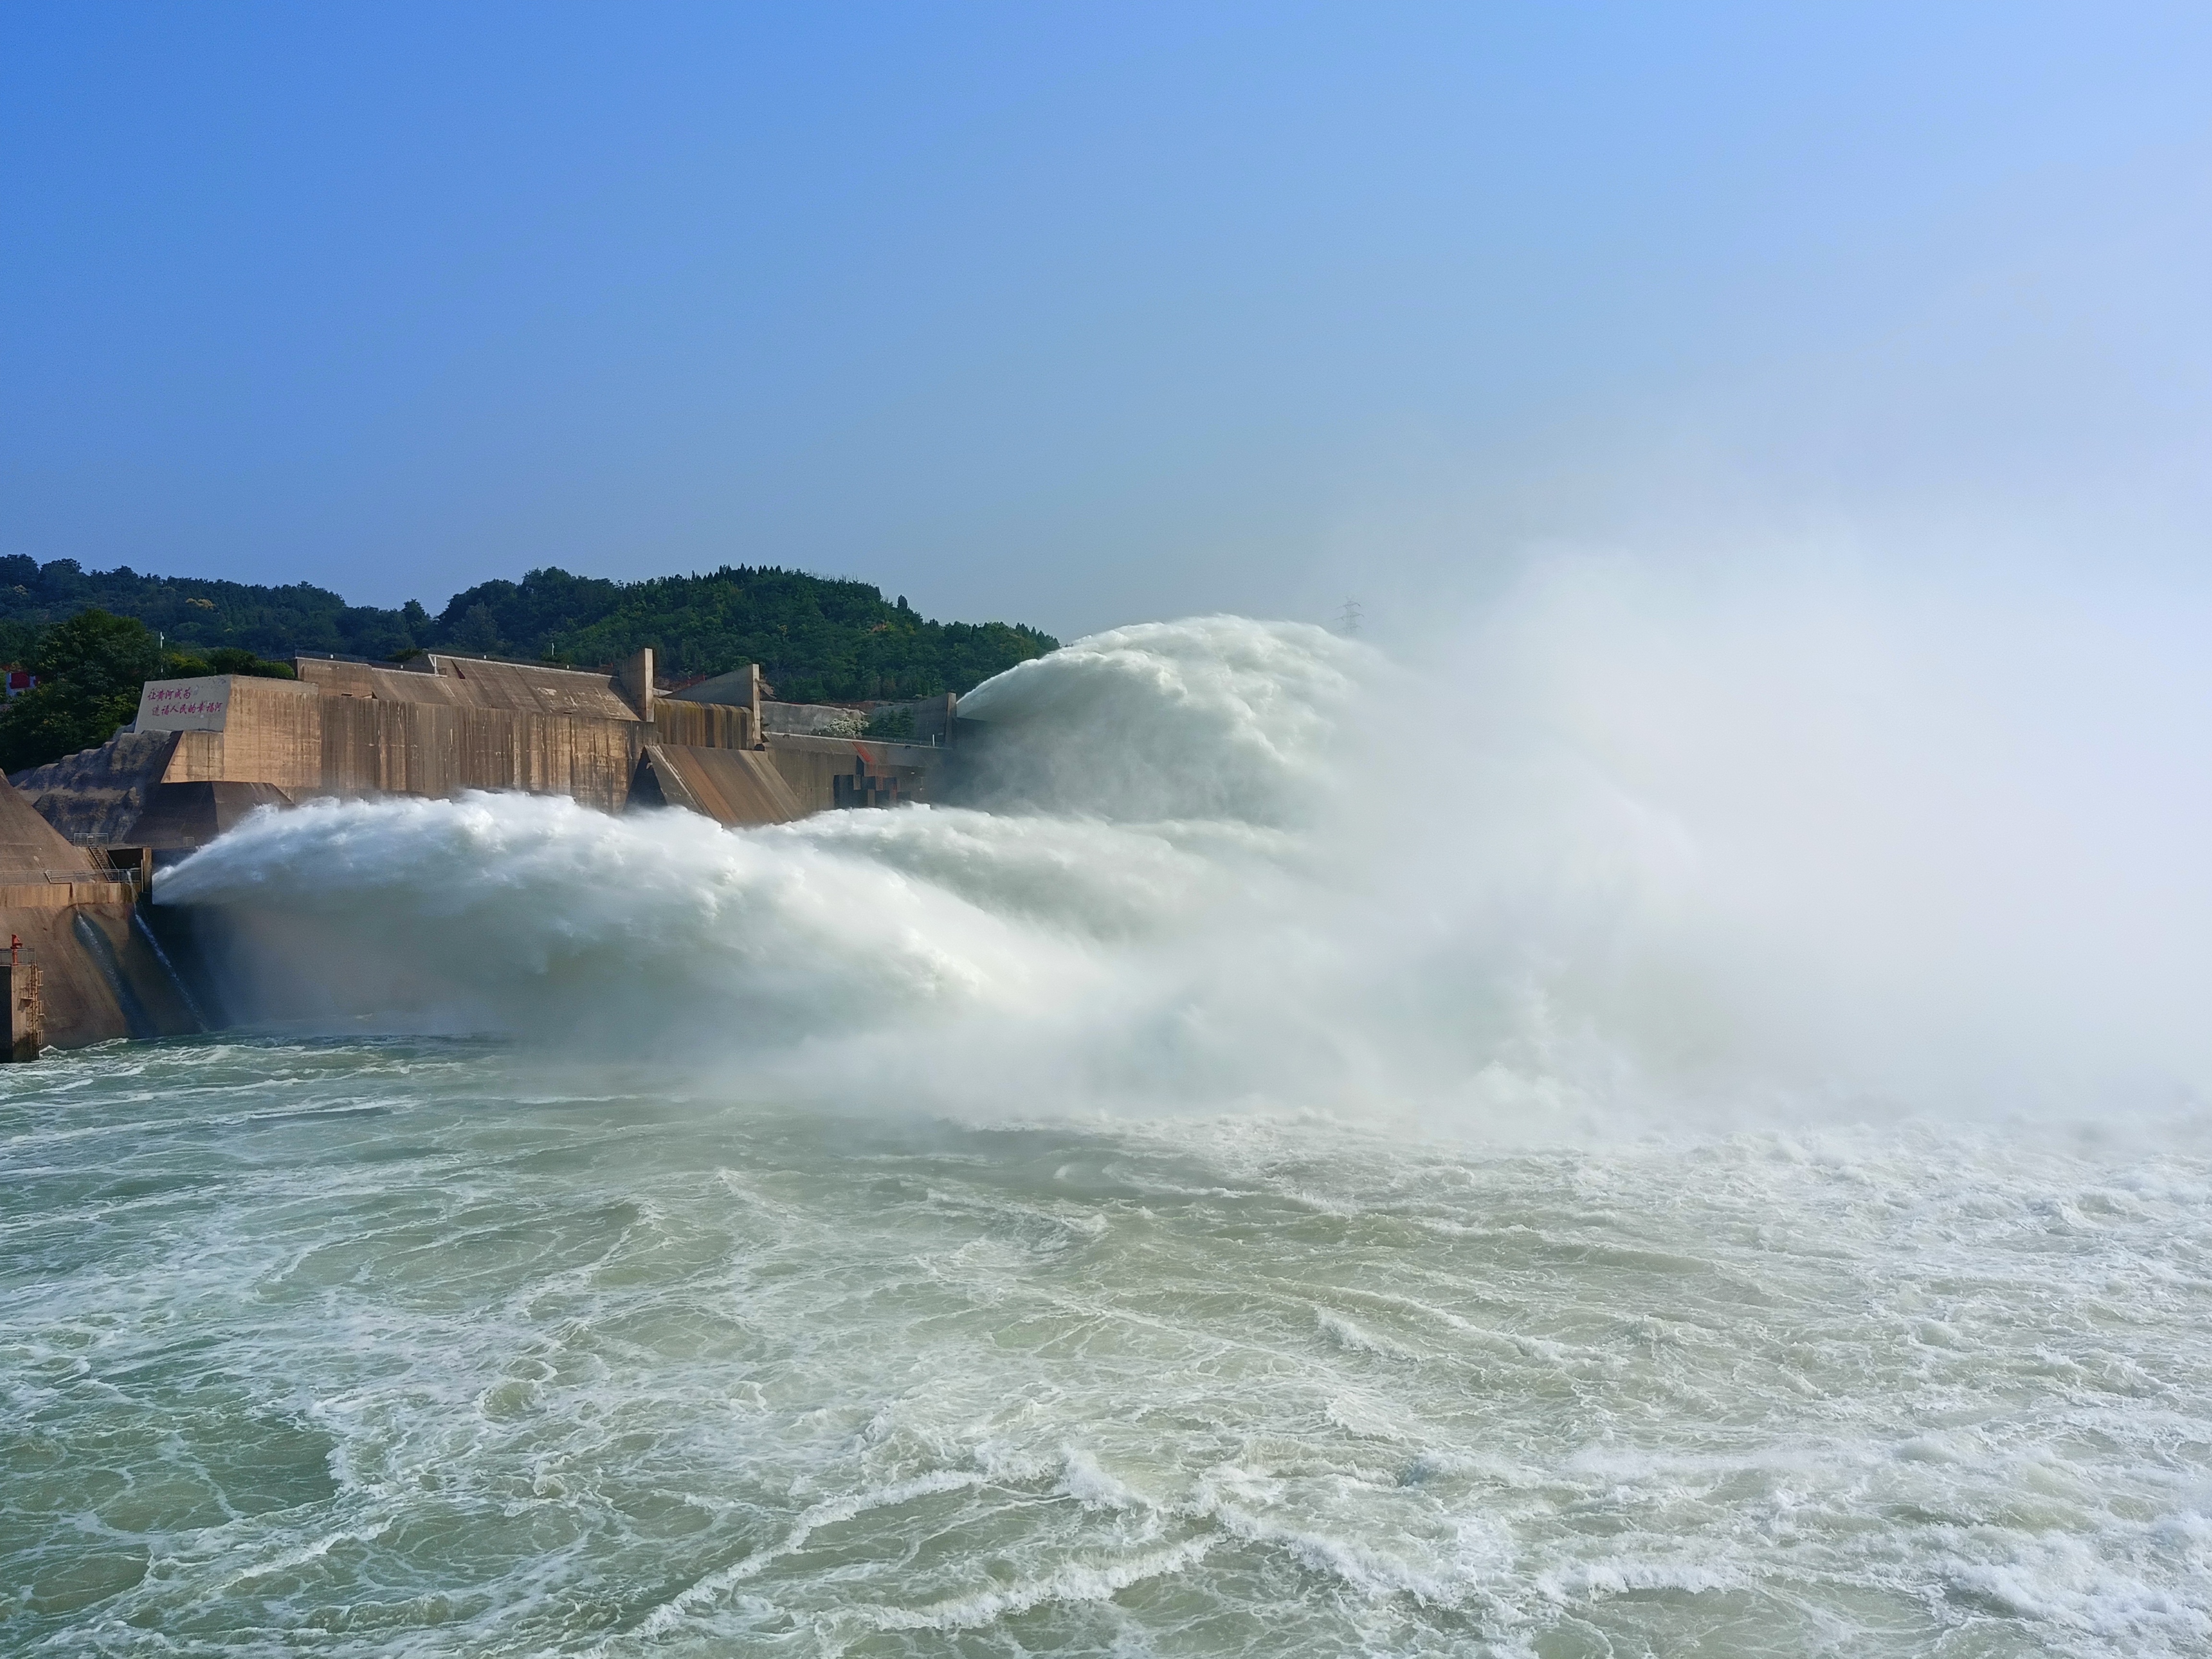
<point>1347,621</point>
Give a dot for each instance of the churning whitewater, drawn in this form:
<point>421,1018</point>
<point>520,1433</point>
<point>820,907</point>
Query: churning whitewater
<point>1315,1156</point>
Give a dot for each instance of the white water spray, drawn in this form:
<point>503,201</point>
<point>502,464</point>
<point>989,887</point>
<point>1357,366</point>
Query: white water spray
<point>1618,848</point>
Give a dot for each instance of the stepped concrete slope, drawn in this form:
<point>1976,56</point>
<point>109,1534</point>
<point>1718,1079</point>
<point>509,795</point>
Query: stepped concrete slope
<point>95,796</point>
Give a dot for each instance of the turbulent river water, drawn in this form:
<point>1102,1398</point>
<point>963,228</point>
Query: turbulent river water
<point>1228,1192</point>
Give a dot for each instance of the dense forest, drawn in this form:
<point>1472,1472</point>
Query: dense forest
<point>817,639</point>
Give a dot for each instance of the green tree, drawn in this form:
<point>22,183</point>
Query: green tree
<point>90,670</point>
<point>19,641</point>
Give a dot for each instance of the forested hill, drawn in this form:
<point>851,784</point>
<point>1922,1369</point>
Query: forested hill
<point>816,638</point>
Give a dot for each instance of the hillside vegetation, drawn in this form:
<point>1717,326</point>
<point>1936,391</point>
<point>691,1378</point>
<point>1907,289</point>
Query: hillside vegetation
<point>817,639</point>
<point>90,668</point>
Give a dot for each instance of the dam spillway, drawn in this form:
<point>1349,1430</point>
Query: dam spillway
<point>78,971</point>
<point>81,837</point>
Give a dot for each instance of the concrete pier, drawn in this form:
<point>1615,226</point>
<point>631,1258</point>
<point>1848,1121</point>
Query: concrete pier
<point>27,1008</point>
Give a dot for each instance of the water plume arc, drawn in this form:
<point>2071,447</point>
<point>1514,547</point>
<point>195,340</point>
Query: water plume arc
<point>1766,856</point>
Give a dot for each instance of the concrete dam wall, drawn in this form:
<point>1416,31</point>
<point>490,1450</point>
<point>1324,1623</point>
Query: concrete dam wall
<point>81,837</point>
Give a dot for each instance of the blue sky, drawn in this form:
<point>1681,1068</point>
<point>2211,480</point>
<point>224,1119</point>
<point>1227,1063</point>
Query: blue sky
<point>1082,315</point>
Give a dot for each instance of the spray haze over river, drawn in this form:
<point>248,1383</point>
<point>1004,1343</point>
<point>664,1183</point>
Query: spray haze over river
<point>1668,1122</point>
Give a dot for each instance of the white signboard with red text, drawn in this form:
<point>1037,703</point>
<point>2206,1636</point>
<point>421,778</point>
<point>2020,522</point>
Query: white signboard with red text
<point>184,705</point>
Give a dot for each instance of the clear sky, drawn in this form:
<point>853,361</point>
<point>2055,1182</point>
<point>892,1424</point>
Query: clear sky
<point>1075,315</point>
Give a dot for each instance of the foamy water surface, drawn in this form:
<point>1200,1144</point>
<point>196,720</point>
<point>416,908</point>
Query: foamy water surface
<point>400,1347</point>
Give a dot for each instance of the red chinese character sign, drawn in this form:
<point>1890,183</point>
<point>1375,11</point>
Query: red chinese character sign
<point>184,705</point>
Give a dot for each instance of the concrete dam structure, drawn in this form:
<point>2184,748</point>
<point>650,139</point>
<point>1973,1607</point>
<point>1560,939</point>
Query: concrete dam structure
<point>79,961</point>
<point>81,837</point>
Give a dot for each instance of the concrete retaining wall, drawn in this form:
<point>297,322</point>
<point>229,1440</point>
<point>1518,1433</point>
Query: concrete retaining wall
<point>824,773</point>
<point>62,911</point>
